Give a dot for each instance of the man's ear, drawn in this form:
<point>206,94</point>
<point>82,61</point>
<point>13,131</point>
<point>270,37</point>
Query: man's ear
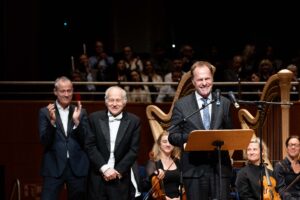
<point>193,82</point>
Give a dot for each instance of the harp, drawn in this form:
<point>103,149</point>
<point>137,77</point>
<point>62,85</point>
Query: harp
<point>273,119</point>
<point>159,120</point>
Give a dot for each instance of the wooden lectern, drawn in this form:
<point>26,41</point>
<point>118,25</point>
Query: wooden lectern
<point>232,139</point>
<point>210,140</point>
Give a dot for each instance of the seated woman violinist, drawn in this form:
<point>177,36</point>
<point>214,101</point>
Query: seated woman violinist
<point>248,182</point>
<point>163,170</point>
<point>287,171</point>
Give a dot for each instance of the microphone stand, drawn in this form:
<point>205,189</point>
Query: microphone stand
<point>260,105</point>
<point>179,123</point>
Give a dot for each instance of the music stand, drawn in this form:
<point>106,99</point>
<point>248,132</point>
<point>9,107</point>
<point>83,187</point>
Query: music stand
<point>209,140</point>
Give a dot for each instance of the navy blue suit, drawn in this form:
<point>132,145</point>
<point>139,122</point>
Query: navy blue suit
<point>56,168</point>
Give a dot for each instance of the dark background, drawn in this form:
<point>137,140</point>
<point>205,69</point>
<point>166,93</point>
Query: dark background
<point>36,44</point>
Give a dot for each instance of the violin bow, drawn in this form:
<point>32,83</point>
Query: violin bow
<point>291,184</point>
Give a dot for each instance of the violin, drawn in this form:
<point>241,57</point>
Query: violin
<point>157,186</point>
<point>269,184</point>
<point>158,189</point>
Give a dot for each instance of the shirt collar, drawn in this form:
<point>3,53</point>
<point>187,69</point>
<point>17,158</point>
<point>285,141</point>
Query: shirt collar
<point>199,97</point>
<point>61,108</point>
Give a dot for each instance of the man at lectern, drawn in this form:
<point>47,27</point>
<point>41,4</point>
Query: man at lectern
<point>200,168</point>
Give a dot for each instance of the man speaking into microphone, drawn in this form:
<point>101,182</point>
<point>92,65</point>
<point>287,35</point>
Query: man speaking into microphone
<point>200,168</point>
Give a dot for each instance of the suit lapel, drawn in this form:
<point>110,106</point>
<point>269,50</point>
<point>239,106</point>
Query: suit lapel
<point>104,126</point>
<point>215,113</point>
<point>196,119</point>
<point>70,120</point>
<point>59,122</point>
<point>122,129</point>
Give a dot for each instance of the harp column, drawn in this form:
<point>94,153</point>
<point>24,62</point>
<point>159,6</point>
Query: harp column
<point>285,78</point>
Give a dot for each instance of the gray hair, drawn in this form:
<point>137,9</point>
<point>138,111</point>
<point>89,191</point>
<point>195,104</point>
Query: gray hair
<point>63,79</point>
<point>123,92</point>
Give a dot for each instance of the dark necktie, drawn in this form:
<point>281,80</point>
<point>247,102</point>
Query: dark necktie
<point>206,116</point>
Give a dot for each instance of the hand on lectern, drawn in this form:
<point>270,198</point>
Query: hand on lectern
<point>184,145</point>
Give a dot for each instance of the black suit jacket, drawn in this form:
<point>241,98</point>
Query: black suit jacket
<point>126,146</point>
<point>56,144</point>
<point>220,119</point>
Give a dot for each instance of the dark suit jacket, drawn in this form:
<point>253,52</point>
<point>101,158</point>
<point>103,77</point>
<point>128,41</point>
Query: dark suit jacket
<point>56,144</point>
<point>126,146</point>
<point>220,119</point>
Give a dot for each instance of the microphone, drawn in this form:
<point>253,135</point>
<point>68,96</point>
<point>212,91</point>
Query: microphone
<point>233,99</point>
<point>218,95</point>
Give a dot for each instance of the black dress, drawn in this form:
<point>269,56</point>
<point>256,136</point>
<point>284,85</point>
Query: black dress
<point>171,180</point>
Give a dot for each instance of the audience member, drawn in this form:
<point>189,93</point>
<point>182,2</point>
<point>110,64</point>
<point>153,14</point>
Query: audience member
<point>132,61</point>
<point>138,93</point>
<point>119,72</point>
<point>101,61</point>
<point>149,75</point>
<point>271,54</point>
<point>187,54</point>
<point>217,59</point>
<point>265,69</point>
<point>256,89</point>
<point>87,72</point>
<point>77,77</point>
<point>293,68</point>
<point>177,65</point>
<point>250,60</point>
<point>167,92</point>
<point>162,63</point>
<point>232,72</point>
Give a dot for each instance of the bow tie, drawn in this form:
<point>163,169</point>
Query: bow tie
<point>112,118</point>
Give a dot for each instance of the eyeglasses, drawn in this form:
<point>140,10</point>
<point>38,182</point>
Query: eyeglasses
<point>294,145</point>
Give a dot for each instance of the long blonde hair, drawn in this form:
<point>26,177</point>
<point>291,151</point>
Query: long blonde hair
<point>156,149</point>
